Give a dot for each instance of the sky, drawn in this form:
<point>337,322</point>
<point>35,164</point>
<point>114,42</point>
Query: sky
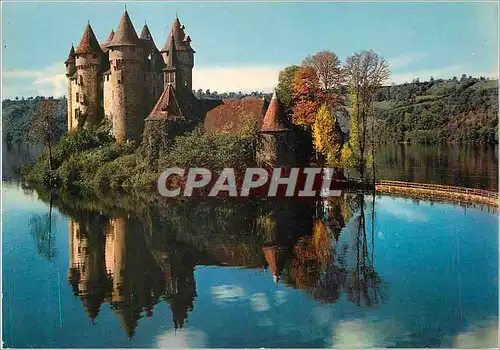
<point>243,46</point>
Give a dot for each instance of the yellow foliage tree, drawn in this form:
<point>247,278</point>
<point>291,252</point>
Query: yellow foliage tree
<point>327,136</point>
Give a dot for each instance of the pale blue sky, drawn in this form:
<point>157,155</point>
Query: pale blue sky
<point>242,46</point>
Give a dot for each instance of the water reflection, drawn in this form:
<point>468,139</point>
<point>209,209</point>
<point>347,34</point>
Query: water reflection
<point>137,256</point>
<point>42,232</point>
<point>474,166</point>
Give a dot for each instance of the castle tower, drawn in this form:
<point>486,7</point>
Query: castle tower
<point>106,84</point>
<point>87,105</point>
<point>172,74</point>
<point>153,67</point>
<point>126,57</point>
<point>184,55</point>
<point>277,148</point>
<point>71,75</point>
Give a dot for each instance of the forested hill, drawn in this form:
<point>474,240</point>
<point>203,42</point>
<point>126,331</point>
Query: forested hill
<point>463,110</point>
<point>17,115</point>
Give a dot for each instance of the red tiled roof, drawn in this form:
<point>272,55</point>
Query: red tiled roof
<point>89,43</point>
<point>274,119</point>
<point>125,34</point>
<point>167,105</point>
<point>231,115</point>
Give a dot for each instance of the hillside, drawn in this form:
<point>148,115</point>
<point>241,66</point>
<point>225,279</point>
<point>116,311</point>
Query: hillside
<point>17,114</point>
<point>439,111</point>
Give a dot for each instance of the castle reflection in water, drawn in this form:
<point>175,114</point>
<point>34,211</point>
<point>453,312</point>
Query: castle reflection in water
<point>134,258</point>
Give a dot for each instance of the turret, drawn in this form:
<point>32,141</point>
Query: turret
<point>70,62</point>
<point>171,76</point>
<point>184,54</point>
<point>126,58</point>
<point>277,148</point>
<point>153,65</point>
<point>88,60</point>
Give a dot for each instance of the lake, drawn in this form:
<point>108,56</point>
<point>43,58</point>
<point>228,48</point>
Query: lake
<point>354,271</point>
<point>471,166</point>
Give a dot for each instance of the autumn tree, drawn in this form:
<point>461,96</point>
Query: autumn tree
<point>285,85</point>
<point>307,96</point>
<point>366,72</point>
<point>328,68</point>
<point>327,136</point>
<point>44,126</point>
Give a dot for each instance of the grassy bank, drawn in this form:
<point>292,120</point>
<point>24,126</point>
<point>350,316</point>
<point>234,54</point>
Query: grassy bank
<point>90,160</point>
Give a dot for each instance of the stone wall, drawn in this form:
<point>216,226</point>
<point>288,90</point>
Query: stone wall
<point>88,87</point>
<point>108,97</point>
<point>276,149</point>
<point>127,81</point>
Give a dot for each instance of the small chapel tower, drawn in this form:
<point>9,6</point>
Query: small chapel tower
<point>277,147</point>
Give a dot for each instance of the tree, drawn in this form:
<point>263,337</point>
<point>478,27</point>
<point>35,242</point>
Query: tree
<point>44,126</point>
<point>306,96</point>
<point>327,66</point>
<point>285,85</point>
<point>327,136</point>
<point>366,72</point>
<point>41,226</point>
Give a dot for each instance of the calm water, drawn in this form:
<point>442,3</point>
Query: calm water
<point>471,166</point>
<point>247,274</point>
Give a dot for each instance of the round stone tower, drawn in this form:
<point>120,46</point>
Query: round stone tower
<point>126,58</point>
<point>88,58</point>
<point>277,146</point>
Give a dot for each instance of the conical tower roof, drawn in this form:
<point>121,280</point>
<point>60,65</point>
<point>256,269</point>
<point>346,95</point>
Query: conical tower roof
<point>172,54</point>
<point>111,35</point>
<point>89,43</point>
<point>274,119</point>
<point>71,55</point>
<point>125,34</point>
<point>177,35</point>
<point>167,105</point>
<point>104,45</point>
<point>145,33</point>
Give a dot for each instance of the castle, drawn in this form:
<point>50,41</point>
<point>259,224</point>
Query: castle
<point>146,93</point>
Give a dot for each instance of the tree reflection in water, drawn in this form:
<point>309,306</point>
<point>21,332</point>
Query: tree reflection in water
<point>42,232</point>
<point>134,253</point>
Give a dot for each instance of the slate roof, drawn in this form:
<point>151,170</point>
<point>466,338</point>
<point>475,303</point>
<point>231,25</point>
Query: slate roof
<point>125,34</point>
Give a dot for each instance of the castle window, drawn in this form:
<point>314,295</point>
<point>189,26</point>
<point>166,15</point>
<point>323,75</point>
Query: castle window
<point>77,97</point>
<point>80,80</point>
